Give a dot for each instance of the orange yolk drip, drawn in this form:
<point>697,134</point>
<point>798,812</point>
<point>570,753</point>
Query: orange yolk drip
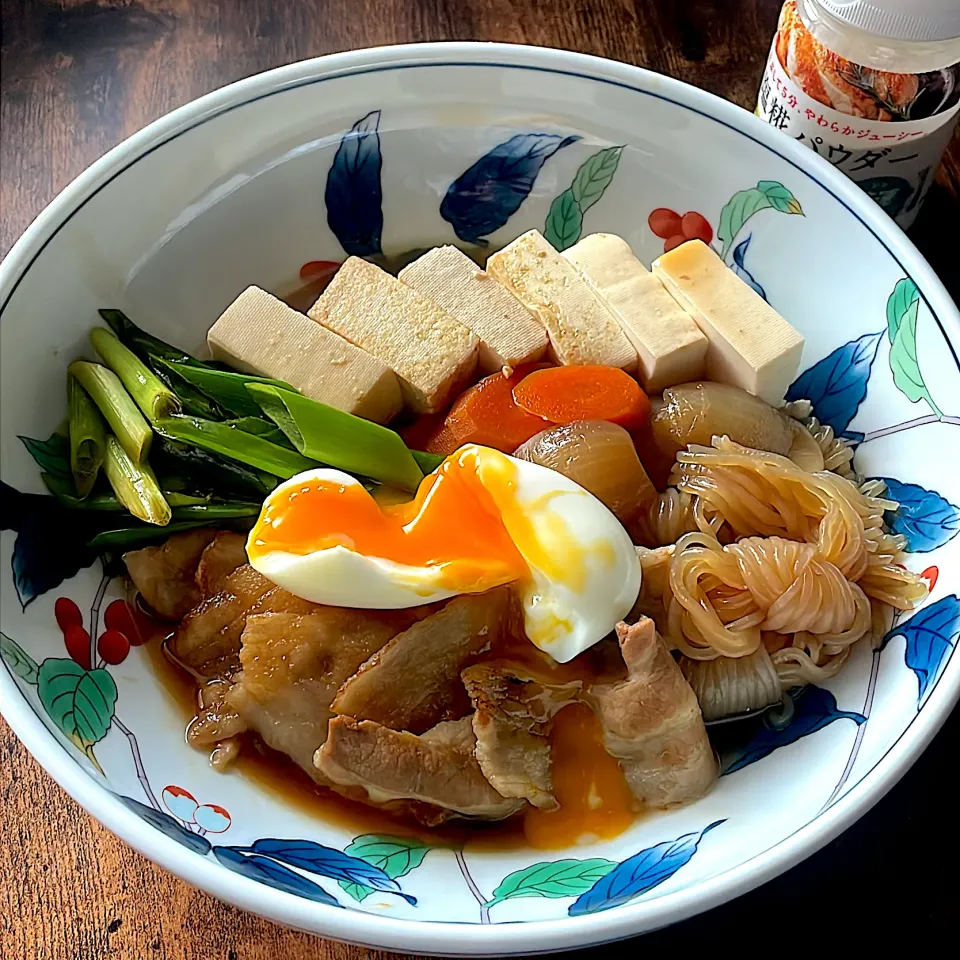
<point>452,522</point>
<point>595,801</point>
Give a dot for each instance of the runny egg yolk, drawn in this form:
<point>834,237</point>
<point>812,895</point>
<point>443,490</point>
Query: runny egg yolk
<point>595,800</point>
<point>452,523</point>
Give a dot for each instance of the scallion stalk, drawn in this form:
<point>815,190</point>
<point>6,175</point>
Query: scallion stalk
<point>151,395</point>
<point>119,410</point>
<point>88,437</point>
<point>135,485</point>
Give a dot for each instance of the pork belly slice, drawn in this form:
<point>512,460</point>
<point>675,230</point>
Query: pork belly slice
<point>512,720</point>
<point>164,575</point>
<point>292,665</point>
<point>652,722</point>
<point>414,683</point>
<point>437,768</point>
<point>208,639</point>
<point>217,725</point>
<point>224,554</point>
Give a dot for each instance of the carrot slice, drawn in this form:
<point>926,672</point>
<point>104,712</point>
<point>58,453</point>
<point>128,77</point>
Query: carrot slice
<point>487,414</point>
<point>565,394</point>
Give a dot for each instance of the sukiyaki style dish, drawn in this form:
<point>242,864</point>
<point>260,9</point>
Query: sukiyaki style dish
<point>485,544</point>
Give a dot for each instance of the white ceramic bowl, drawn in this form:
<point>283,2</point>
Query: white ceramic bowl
<point>481,142</point>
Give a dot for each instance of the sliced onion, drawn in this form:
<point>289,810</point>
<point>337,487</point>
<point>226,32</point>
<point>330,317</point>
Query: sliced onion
<point>696,412</point>
<point>600,456</point>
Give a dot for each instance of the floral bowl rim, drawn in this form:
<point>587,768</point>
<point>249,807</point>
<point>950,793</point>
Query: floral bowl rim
<point>530,937</point>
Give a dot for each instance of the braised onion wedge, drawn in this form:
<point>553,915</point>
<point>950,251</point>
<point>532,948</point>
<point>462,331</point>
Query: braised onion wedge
<point>600,456</point>
<point>696,412</point>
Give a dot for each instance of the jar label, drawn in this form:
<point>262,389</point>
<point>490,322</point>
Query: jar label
<point>893,160</point>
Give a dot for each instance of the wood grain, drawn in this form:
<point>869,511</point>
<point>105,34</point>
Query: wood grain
<point>80,75</point>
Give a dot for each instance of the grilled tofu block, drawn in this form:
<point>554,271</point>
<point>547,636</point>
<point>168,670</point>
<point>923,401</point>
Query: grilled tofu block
<point>671,347</point>
<point>751,345</point>
<point>509,334</point>
<point>432,353</point>
<point>259,334</point>
<point>581,326</point>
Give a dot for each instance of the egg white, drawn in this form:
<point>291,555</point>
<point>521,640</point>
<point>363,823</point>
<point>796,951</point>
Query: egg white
<point>584,573</point>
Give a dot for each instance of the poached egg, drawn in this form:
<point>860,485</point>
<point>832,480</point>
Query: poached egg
<point>481,519</point>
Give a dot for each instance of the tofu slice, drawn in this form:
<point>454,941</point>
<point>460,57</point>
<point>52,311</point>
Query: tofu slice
<point>508,334</point>
<point>260,334</point>
<point>581,326</point>
<point>671,347</point>
<point>751,345</point>
<point>432,353</point>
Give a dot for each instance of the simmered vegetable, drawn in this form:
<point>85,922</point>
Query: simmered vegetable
<point>696,412</point>
<point>568,394</point>
<point>135,485</point>
<point>126,421</point>
<point>339,439</point>
<point>600,456</point>
<point>152,396</point>
<point>87,437</point>
<point>487,414</point>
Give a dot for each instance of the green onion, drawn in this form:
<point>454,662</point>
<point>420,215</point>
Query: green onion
<point>143,344</point>
<point>88,435</point>
<point>120,411</point>
<point>151,395</point>
<point>135,485</point>
<point>212,512</point>
<point>236,444</point>
<point>260,427</point>
<point>130,538</point>
<point>227,388</point>
<point>66,494</point>
<point>210,471</point>
<point>427,462</point>
<point>339,439</point>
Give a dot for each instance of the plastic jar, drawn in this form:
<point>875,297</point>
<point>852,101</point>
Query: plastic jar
<point>872,86</point>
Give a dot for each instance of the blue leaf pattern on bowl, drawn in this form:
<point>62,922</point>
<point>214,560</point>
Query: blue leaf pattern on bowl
<point>168,825</point>
<point>837,384</point>
<point>484,197</point>
<point>930,636</point>
<point>814,708</point>
<point>640,873</point>
<point>273,874</point>
<point>328,862</point>
<point>353,196</point>
<point>739,252</point>
<point>925,518</point>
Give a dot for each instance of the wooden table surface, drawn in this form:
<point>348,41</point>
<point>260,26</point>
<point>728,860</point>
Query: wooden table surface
<point>78,76</point>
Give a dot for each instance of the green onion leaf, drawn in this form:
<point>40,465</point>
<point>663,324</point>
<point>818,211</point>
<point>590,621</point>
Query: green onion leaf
<point>131,538</point>
<point>143,344</point>
<point>339,439</point>
<point>236,444</point>
<point>227,388</point>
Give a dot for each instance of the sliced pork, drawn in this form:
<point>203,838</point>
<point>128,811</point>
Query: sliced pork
<point>414,683</point>
<point>224,554</point>
<point>164,575</point>
<point>292,665</point>
<point>652,722</point>
<point>438,769</point>
<point>512,720</point>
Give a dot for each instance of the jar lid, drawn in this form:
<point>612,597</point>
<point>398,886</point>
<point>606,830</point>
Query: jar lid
<point>918,20</point>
